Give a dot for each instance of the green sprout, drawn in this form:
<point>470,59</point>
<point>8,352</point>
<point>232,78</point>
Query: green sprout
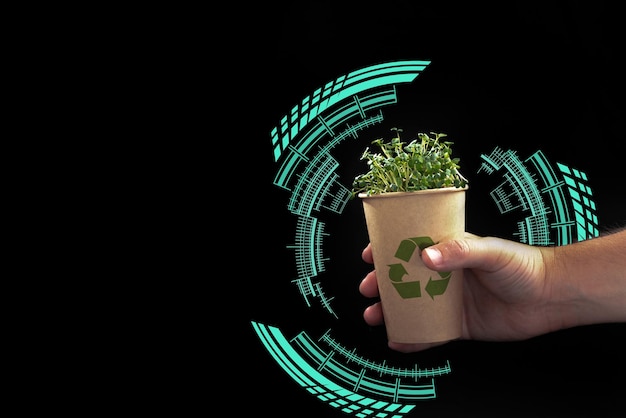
<point>424,163</point>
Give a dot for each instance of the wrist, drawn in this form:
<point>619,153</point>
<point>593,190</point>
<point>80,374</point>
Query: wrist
<point>587,283</point>
<point>563,299</point>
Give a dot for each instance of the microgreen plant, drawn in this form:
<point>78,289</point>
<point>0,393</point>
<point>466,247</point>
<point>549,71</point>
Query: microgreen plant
<point>424,163</point>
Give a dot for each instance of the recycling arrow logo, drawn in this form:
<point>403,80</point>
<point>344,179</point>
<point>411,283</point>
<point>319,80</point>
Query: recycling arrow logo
<point>397,271</point>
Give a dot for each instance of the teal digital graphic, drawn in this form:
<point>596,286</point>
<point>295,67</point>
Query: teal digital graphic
<point>397,271</point>
<point>555,203</point>
<point>551,202</point>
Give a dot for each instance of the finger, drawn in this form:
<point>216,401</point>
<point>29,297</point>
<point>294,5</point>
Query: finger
<point>366,255</point>
<point>484,253</point>
<point>369,286</point>
<point>373,315</point>
<point>412,348</point>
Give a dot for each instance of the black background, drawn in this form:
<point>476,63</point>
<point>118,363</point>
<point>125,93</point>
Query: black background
<point>525,76</point>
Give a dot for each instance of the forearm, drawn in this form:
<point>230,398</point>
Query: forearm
<point>588,279</point>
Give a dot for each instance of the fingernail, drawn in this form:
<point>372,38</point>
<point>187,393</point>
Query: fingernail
<point>434,255</point>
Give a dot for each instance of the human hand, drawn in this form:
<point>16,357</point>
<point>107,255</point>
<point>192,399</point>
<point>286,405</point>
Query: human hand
<point>505,295</point>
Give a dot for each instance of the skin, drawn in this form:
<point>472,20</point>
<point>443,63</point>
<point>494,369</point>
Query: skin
<point>514,291</point>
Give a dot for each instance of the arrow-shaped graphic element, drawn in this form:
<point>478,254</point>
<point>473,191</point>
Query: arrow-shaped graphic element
<point>438,287</point>
<point>407,247</point>
<point>396,272</point>
<point>406,290</point>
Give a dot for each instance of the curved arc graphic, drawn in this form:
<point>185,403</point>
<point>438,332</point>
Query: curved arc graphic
<point>346,88</point>
<point>336,91</point>
<point>326,390</point>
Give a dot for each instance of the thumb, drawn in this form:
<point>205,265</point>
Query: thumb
<point>457,254</point>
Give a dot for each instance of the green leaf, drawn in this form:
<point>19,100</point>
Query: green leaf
<point>423,163</point>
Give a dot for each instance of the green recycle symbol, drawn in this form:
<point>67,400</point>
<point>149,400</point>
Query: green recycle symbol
<point>412,289</point>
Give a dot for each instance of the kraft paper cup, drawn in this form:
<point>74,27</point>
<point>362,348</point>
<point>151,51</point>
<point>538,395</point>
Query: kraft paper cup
<point>419,305</point>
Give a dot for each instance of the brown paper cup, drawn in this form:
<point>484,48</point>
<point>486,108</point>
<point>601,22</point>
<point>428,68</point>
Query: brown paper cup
<point>419,305</point>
